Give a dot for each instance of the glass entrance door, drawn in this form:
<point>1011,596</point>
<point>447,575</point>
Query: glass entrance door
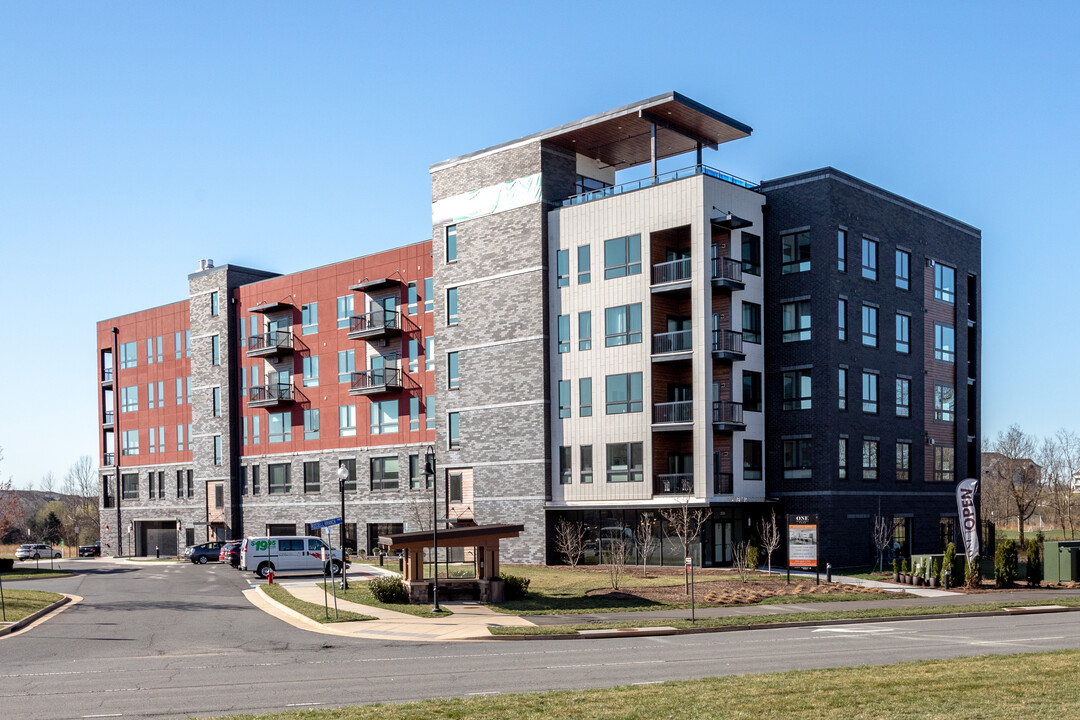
<point>723,531</point>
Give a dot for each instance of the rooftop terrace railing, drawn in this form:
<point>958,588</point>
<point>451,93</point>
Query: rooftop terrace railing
<point>659,179</point>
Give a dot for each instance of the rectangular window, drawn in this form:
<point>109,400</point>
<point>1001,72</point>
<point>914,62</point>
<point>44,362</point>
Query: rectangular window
<point>869,326</point>
<point>451,306</point>
<point>414,472</point>
<point>903,269</point>
<point>566,468</point>
<point>187,389</point>
<point>180,483</point>
<point>311,424</point>
<point>622,325</point>
<point>129,399</point>
<point>752,459</point>
<point>453,422</point>
<point>161,393</point>
<point>149,396</point>
<point>841,388</point>
<point>841,315</point>
<point>798,459</point>
<point>564,333</point>
<point>254,481</point>
<point>149,351</point>
<point>277,479</point>
<point>903,397</point>
<point>429,411</point>
<point>903,333</point>
<point>217,449</point>
<point>429,353</point>
<point>584,265</point>
<point>244,430</point>
<point>215,402</point>
<point>215,350</point>
<point>346,421</point>
<point>796,321</point>
<point>944,283</point>
<point>311,371</point>
<point>870,460</point>
<point>350,466</point>
<point>751,391</point>
<point>129,486</point>
<point>624,393</point>
<point>160,349</point>
<point>213,303</point>
<point>191,436</point>
<point>178,344</point>
<point>944,343</point>
<point>751,254</point>
<point>451,243</point>
<point>586,464</point>
<point>414,355</point>
<point>256,431</point>
<point>562,264</point>
<point>346,365</point>
<point>344,311</point>
<point>622,257</point>
<point>564,398</point>
<point>584,330</point>
<point>180,437</point>
<point>841,466</point>
<point>309,318</point>
<point>944,403</point>
<point>453,381</point>
<point>129,355</point>
<point>414,414</point>
<point>869,392</point>
<point>625,462</point>
<point>311,477</point>
<point>429,294</point>
<point>869,259</point>
<point>279,427</point>
<point>384,473</point>
<point>453,489</point>
<point>841,250</point>
<point>585,396</point>
<point>412,296</point>
<point>153,442</point>
<point>751,322</point>
<point>384,417</point>
<point>903,461</point>
<point>797,390</point>
<point>944,464</point>
<point>795,253</point>
<point>187,343</point>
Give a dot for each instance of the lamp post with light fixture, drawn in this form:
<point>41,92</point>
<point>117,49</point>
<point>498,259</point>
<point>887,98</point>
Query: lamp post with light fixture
<point>429,471</point>
<point>343,475</point>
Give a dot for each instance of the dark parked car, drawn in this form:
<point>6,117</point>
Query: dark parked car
<point>90,550</point>
<point>202,554</point>
<point>230,553</point>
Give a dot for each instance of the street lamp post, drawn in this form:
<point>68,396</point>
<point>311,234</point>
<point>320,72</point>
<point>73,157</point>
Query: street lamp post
<point>343,475</point>
<point>116,437</point>
<point>429,471</point>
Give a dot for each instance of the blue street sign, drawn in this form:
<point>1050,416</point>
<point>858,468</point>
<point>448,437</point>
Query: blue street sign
<point>325,523</point>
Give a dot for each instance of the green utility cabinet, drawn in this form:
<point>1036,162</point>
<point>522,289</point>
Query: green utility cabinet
<point>1061,561</point>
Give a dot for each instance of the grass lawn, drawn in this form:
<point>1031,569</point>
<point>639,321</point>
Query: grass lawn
<point>22,572</point>
<point>1040,686</point>
<point>358,592</point>
<point>20,603</point>
<point>311,610</point>
<point>1004,534</point>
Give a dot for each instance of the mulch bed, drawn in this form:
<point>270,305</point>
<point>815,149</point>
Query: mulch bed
<point>733,591</point>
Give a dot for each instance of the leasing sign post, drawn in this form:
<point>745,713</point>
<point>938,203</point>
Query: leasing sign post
<point>802,542</point>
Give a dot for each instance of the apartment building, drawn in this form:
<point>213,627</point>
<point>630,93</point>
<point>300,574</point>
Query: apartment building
<point>601,326</point>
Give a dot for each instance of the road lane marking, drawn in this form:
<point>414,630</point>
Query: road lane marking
<point>103,715</point>
<point>855,630</point>
<point>605,664</point>
<point>304,704</point>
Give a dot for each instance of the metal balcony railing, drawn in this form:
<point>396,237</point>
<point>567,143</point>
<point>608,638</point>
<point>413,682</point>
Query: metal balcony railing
<point>727,269</point>
<point>681,411</point>
<point>658,180</point>
<point>673,484</point>
<point>673,342</point>
<point>727,341</point>
<point>723,483</point>
<point>273,393</point>
<point>109,459</point>
<point>270,342</point>
<point>376,379</point>
<point>106,375</point>
<point>726,412</point>
<point>375,322</point>
<point>671,271</point>
<point>108,419</point>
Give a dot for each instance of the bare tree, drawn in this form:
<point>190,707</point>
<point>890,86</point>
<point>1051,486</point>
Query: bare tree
<point>740,559</point>
<point>1013,469</point>
<point>686,522</point>
<point>10,506</point>
<point>770,536</point>
<point>883,535</point>
<point>418,511</point>
<point>80,490</point>
<point>48,482</point>
<point>570,540</point>
<point>616,553</point>
<point>645,539</point>
<point>1059,457</point>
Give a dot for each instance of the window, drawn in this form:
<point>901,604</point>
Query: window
<point>180,482</point>
<point>752,453</point>
<point>751,391</point>
<point>344,311</point>
<point>944,283</point>
<point>562,264</point>
<point>414,355</point>
<point>311,477</point>
<point>187,343</point>
<point>180,437</point>
<point>944,403</point>
<point>346,365</point>
<point>129,486</point>
<point>566,469</point>
<point>256,431</point>
<point>309,318</point>
<point>311,424</point>
<point>153,442</point>
<point>903,269</point>
<point>903,333</point>
<point>796,321</point>
<point>623,393</point>
<point>903,461</point>
<point>244,430</point>
<point>217,449</point>
<point>429,411</point>
<point>751,322</point>
<point>869,392</point>
<point>187,390</point>
<point>149,396</point>
<point>944,343</point>
<point>350,465</point>
<point>453,489</point>
<point>453,381</point>
<point>149,351</point>
<point>429,353</point>
<point>191,436</point>
<point>129,399</point>
<point>129,355</point>
<point>622,325</point>
<point>564,398</point>
<point>585,397</point>
<point>178,344</point>
<point>944,467</point>
<point>903,397</point>
<point>215,350</point>
<point>869,326</point>
<point>279,427</point>
<point>451,243</point>
<point>160,349</point>
<point>414,472</point>
<point>624,462</point>
<point>346,421</point>
<point>586,464</point>
<point>584,265</point>
<point>311,371</point>
<point>564,333</point>
<point>584,330</point>
<point>841,388</point>
<point>161,393</point>
<point>797,390</point>
<point>841,315</point>
<point>412,297</point>
<point>870,460</point>
<point>414,414</point>
<point>180,390</point>
<point>451,306</point>
<point>429,294</point>
<point>213,303</point>
<point>622,257</point>
<point>254,480</point>
<point>384,417</point>
<point>215,402</point>
<point>751,254</point>
<point>841,250</point>
<point>277,477</point>
<point>453,422</point>
<point>798,459</point>
<point>869,259</point>
<point>795,252</point>
<point>384,473</point>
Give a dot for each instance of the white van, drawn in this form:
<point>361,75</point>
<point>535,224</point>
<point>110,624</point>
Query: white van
<point>289,553</point>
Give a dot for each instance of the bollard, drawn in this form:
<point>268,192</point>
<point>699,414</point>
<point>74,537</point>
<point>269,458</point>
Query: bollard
<point>946,579</point>
<point>828,572</point>
<point>157,551</point>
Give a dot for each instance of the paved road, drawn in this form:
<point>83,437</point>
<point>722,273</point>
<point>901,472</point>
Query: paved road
<point>179,640</point>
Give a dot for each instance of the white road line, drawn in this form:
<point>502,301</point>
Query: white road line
<point>105,715</point>
<point>486,692</point>
<point>304,704</point>
<point>635,662</point>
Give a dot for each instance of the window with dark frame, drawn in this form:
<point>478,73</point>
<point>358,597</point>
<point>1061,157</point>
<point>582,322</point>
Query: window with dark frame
<point>564,399</point>
<point>903,269</point>
<point>944,283</point>
<point>564,334</point>
<point>586,467</point>
<point>841,250</point>
<point>751,397</point>
<point>842,462</point>
<point>622,325</point>
<point>752,459</point>
<point>841,315</point>
<point>795,252</point>
<point>797,390</point>
<point>623,393</point>
<point>869,259</point>
<point>944,403</point>
<point>751,254</point>
<point>944,343</point>
<point>841,388</point>
<point>562,268</point>
<point>870,393</point>
<point>870,460</point>
<point>625,462</point>
<point>869,326</point>
<point>798,459</point>
<point>795,321</point>
<point>584,265</point>
<point>622,257</point>
<point>312,483</point>
<point>384,473</point>
<point>903,397</point>
<point>751,322</point>
<point>566,470</point>
<point>944,464</point>
<point>903,461</point>
<point>903,333</point>
<point>277,479</point>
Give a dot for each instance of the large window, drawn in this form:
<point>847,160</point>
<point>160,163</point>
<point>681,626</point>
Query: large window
<point>751,322</point>
<point>129,442</point>
<point>903,397</point>
<point>566,467</point>
<point>564,398</point>
<point>279,427</point>
<point>384,417</point>
<point>795,252</point>
<point>311,371</point>
<point>277,477</point>
<point>869,392</point>
<point>944,343</point>
<point>797,390</point>
<point>129,399</point>
<point>903,461</point>
<point>944,403</point>
<point>796,321</point>
<point>129,486</point>
<point>584,265</point>
<point>622,325</point>
<point>625,462</point>
<point>869,258</point>
<point>752,459</point>
<point>751,254</point>
<point>751,390</point>
<point>622,257</point>
<point>624,393</point>
<point>311,424</point>
<point>562,265</point>
<point>869,326</point>
<point>453,380</point>
<point>585,397</point>
<point>564,333</point>
<point>944,283</point>
<point>451,243</point>
<point>129,355</point>
<point>798,459</point>
<point>584,330</point>
<point>841,388</point>
<point>944,464</point>
<point>311,477</point>
<point>903,269</point>
<point>344,310</point>
<point>841,319</point>
<point>870,460</point>
<point>346,421</point>
<point>903,333</point>
<point>346,365</point>
<point>841,250</point>
<point>451,306</point>
<point>309,318</point>
<point>384,473</point>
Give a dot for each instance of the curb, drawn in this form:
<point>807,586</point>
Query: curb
<point>653,631</point>
<point>60,575</point>
<point>15,627</point>
<point>297,620</point>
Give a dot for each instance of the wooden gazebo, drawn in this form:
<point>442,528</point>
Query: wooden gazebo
<point>484,541</point>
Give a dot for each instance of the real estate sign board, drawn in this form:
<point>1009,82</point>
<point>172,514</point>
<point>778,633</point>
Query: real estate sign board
<point>803,541</point>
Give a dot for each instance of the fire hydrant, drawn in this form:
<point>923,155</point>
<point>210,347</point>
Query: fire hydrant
<point>270,577</point>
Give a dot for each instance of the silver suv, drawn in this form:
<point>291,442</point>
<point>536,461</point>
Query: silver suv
<point>36,551</point>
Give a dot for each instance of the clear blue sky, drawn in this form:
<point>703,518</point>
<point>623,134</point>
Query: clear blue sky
<point>136,138</point>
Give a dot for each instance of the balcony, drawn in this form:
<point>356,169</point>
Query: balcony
<point>727,273</point>
<point>723,483</point>
<point>108,459</point>
<point>670,346</point>
<point>274,395</point>
<point>727,345</point>
<point>269,344</point>
<point>107,420</point>
<point>375,381</point>
<point>672,275</point>
<point>106,378</point>
<point>727,416</point>
<point>673,484</point>
<point>659,179</point>
<point>670,416</point>
<point>375,324</point>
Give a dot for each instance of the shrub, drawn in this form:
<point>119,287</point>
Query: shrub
<point>752,555</point>
<point>904,567</point>
<point>936,572</point>
<point>516,587</point>
<point>1006,567</point>
<point>896,565</point>
<point>1035,560</point>
<point>389,589</point>
<point>972,573</point>
<point>948,562</point>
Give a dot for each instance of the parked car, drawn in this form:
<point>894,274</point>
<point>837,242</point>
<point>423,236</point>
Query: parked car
<point>281,554</point>
<point>90,550</point>
<point>201,554</point>
<point>230,553</point>
<point>35,551</point>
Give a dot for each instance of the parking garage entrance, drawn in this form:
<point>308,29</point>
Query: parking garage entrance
<point>156,536</point>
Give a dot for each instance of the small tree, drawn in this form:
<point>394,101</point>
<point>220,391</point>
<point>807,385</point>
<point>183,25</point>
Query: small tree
<point>883,535</point>
<point>616,554</point>
<point>948,562</point>
<point>686,523</point>
<point>1035,560</point>
<point>740,560</point>
<point>972,573</point>
<point>645,539</point>
<point>570,540</point>
<point>770,537</point>
<point>1005,564</point>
